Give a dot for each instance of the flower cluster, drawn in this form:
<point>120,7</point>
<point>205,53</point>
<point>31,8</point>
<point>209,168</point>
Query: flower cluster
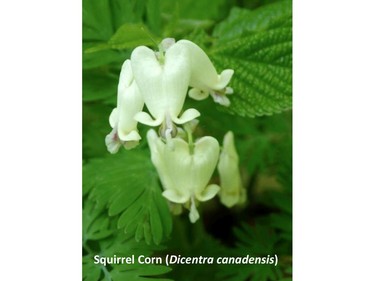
<point>161,81</point>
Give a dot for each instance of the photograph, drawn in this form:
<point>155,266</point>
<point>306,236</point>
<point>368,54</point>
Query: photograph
<point>187,140</point>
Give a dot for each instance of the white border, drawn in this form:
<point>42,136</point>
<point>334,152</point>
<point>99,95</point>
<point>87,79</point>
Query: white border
<point>40,183</point>
<point>333,140</point>
<point>40,201</point>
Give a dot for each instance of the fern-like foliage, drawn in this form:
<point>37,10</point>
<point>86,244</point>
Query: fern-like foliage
<point>127,185</point>
<point>102,238</point>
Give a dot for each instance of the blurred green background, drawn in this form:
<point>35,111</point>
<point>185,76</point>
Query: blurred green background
<point>123,210</point>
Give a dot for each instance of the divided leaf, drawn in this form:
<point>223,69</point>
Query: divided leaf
<point>116,245</point>
<point>95,223</point>
<point>128,186</point>
<point>258,241</point>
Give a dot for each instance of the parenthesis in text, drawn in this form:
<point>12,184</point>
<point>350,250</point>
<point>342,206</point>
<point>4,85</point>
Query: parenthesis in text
<point>166,260</point>
<point>276,260</point>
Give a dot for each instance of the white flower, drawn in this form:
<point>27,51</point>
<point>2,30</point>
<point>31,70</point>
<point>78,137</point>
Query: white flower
<point>232,191</point>
<point>185,171</point>
<point>163,82</point>
<point>129,102</point>
<point>204,78</point>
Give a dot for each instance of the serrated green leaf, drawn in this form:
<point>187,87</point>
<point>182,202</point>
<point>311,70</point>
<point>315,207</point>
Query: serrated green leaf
<point>262,80</point>
<point>261,60</point>
<point>243,22</point>
<point>127,184</point>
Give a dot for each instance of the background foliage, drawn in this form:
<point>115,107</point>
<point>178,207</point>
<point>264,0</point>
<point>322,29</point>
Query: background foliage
<point>123,210</point>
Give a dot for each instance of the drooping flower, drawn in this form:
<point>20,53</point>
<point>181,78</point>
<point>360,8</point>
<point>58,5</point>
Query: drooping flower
<point>185,170</point>
<point>232,191</point>
<point>163,82</point>
<point>129,102</point>
<point>204,78</point>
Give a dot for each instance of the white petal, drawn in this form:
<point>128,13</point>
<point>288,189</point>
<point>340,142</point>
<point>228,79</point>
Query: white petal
<point>131,136</point>
<point>166,43</point>
<point>193,215</point>
<point>221,99</point>
<point>153,139</point>
<point>208,193</point>
<point>148,76</point>
<point>184,173</point>
<point>131,104</point>
<point>198,94</point>
<point>203,72</point>
<point>125,79</point>
<point>113,118</point>
<point>145,118</point>
<point>130,144</point>
<point>186,116</point>
<point>228,91</point>
<point>206,155</point>
<point>163,87</point>
<point>112,142</point>
<point>232,191</point>
<point>176,78</point>
<point>174,196</point>
<point>224,78</point>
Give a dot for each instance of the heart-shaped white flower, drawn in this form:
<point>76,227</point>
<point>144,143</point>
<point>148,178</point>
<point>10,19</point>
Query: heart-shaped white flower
<point>185,170</point>
<point>163,83</point>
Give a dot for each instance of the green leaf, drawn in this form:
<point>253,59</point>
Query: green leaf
<point>244,22</point>
<point>99,84</point>
<point>127,184</point>
<point>90,271</point>
<point>104,57</point>
<point>95,223</point>
<point>282,222</point>
<point>129,11</point>
<point>128,36</point>
<point>139,272</point>
<point>96,16</point>
<point>154,15</point>
<point>95,128</point>
<point>192,9</point>
<point>261,56</point>
<point>116,245</point>
<point>257,241</point>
